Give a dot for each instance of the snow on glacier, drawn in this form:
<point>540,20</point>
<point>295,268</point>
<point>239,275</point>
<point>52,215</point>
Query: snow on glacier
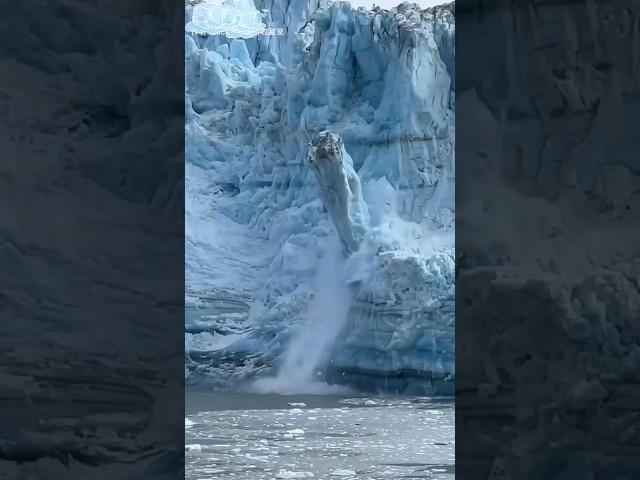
<point>258,230</point>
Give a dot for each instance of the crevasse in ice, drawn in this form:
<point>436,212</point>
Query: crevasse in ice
<point>258,221</point>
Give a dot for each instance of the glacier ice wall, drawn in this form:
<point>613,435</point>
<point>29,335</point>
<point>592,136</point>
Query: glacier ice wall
<point>550,291</point>
<point>257,227</point>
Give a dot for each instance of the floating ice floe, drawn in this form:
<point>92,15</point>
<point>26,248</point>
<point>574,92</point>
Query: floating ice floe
<point>288,474</point>
<point>343,473</point>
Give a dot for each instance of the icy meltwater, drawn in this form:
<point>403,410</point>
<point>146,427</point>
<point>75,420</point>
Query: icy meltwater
<point>256,437</point>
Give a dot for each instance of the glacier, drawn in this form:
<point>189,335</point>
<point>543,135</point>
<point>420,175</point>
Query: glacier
<point>548,229</point>
<point>320,201</point>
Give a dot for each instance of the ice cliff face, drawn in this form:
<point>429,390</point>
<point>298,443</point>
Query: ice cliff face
<point>262,214</point>
<point>565,349</point>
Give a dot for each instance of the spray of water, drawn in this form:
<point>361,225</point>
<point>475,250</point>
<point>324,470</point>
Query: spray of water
<point>326,314</point>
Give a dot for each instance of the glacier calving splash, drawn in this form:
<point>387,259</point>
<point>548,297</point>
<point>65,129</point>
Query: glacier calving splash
<point>262,263</point>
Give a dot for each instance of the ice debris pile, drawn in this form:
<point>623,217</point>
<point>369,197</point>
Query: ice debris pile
<point>379,84</point>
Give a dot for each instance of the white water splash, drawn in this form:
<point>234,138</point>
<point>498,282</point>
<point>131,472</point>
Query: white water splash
<point>325,317</point>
